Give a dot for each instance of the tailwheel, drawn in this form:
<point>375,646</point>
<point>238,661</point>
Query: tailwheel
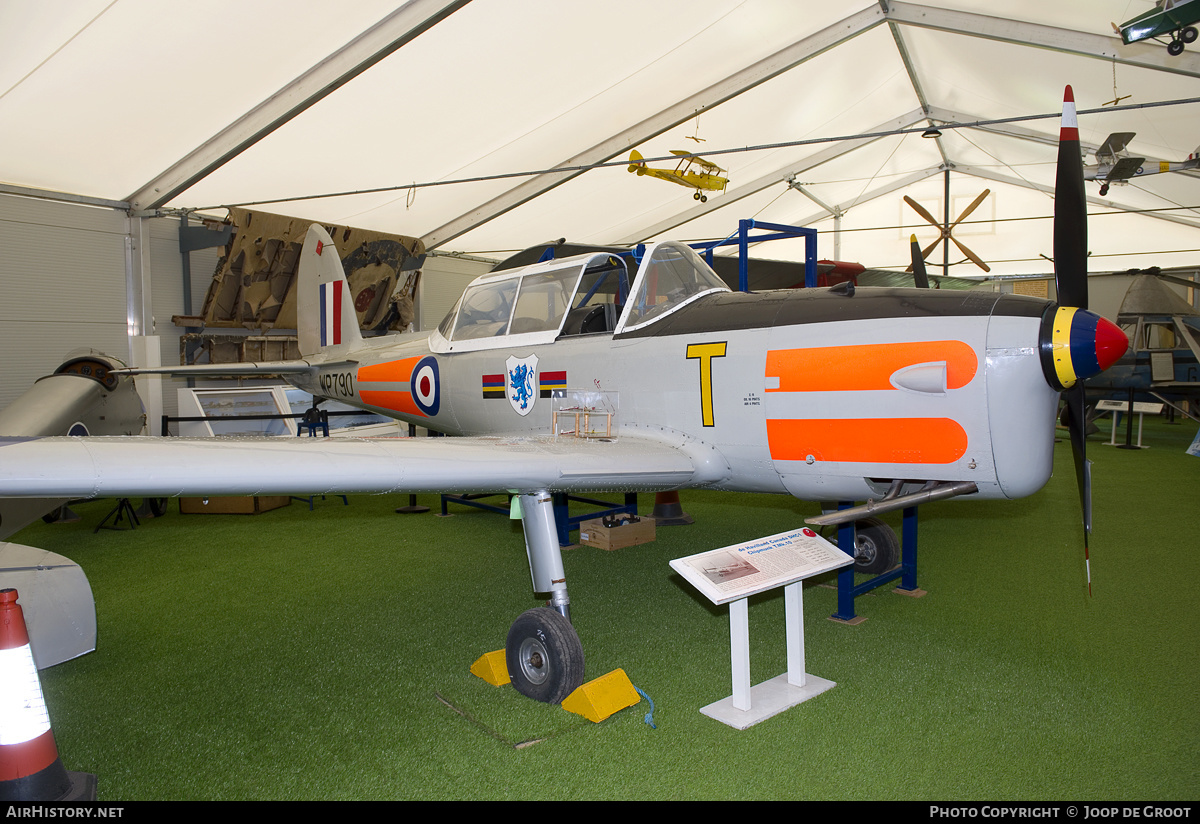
<point>544,655</point>
<point>875,548</point>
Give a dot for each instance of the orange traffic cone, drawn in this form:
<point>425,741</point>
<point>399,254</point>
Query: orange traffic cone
<point>30,769</point>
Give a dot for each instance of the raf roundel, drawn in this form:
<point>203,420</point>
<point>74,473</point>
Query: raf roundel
<point>426,386</point>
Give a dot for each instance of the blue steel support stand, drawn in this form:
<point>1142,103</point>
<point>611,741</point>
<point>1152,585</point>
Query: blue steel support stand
<point>906,572</point>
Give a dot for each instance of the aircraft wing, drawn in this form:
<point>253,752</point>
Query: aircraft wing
<point>120,467</point>
<point>1114,144</point>
<point>1125,168</point>
<point>248,369</point>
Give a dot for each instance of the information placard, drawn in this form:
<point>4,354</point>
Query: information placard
<point>739,571</point>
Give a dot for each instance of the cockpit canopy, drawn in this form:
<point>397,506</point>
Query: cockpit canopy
<point>575,296</point>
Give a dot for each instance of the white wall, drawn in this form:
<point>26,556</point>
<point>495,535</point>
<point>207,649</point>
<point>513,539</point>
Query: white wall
<point>65,275</point>
<point>62,287</point>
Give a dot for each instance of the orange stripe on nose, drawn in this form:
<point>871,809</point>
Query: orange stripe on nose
<point>389,372</point>
<point>868,440</point>
<point>866,366</point>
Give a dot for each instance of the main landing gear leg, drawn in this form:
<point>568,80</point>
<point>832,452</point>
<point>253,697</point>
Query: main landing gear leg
<point>543,653</point>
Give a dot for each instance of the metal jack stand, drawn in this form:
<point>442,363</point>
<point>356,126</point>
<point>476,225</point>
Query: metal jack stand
<point>123,510</point>
<point>413,507</point>
<point>907,571</point>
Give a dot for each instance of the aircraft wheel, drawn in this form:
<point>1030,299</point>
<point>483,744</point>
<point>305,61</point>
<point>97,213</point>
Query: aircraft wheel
<point>696,196</point>
<point>1189,34</point>
<point>876,546</point>
<point>544,655</point>
<point>1175,48</point>
<point>704,198</point>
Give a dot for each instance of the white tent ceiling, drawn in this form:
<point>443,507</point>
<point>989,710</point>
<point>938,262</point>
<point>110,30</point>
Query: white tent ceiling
<point>172,105</point>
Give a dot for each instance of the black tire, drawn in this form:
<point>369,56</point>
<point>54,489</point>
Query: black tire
<point>1175,48</point>
<point>876,547</point>
<point>1189,34</point>
<point>544,656</point>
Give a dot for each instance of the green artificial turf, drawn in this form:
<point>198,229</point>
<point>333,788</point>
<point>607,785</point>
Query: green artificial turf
<point>325,655</point>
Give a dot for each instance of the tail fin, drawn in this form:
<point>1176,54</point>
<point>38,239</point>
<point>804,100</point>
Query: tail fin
<point>635,162</point>
<point>324,308</point>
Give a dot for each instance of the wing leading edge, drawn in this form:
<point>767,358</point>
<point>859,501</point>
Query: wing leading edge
<point>166,467</point>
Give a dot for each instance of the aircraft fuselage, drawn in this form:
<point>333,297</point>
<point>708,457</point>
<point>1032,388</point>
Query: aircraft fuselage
<point>819,395</point>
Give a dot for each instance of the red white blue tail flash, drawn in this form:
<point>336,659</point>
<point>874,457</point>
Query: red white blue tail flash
<point>331,313</point>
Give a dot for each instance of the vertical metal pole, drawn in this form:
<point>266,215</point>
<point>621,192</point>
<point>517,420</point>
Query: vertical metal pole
<point>908,549</point>
<point>744,254</point>
<point>846,543</point>
<point>810,258</point>
<point>946,225</point>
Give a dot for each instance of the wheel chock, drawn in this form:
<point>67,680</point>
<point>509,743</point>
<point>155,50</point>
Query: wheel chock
<point>491,668</point>
<point>603,696</point>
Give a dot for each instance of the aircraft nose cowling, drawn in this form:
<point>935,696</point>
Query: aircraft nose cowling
<point>1077,344</point>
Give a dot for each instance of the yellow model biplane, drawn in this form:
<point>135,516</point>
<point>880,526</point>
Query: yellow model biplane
<point>692,171</point>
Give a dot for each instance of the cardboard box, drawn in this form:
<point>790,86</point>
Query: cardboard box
<point>236,505</point>
<point>627,533</point>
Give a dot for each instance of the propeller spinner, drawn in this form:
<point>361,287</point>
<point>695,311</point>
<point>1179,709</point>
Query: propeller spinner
<point>1075,343</point>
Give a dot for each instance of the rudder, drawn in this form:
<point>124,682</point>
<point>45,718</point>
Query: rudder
<point>325,310</point>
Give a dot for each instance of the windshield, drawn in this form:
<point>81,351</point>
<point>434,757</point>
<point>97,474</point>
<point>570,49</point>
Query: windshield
<point>671,275</point>
<point>574,296</point>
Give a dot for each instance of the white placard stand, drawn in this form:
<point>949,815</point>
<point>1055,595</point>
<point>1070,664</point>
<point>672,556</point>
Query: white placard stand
<point>792,557</point>
<point>1122,407</point>
<point>749,705</point>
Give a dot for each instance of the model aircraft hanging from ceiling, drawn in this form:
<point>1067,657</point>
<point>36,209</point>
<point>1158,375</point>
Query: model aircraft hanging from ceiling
<point>1170,18</point>
<point>841,394</point>
<point>691,171</point>
<point>1115,165</point>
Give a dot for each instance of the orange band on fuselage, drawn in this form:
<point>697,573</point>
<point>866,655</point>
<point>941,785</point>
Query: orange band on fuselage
<point>388,372</point>
<point>868,440</point>
<point>396,401</point>
<point>866,366</point>
<point>388,395</point>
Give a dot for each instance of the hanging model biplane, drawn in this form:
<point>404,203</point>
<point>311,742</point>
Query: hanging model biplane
<point>1115,165</point>
<point>692,171</point>
<point>586,375</point>
<point>1170,18</point>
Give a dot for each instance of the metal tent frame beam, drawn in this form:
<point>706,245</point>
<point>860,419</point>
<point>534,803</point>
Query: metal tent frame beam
<point>390,34</point>
<point>682,111</point>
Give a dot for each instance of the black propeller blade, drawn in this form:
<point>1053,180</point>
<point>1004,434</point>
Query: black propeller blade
<point>1070,278</point>
<point>918,264</point>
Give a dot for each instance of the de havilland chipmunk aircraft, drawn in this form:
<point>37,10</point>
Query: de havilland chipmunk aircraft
<point>581,375</point>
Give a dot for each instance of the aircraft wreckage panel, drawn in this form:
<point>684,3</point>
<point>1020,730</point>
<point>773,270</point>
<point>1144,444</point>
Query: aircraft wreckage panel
<point>254,285</point>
